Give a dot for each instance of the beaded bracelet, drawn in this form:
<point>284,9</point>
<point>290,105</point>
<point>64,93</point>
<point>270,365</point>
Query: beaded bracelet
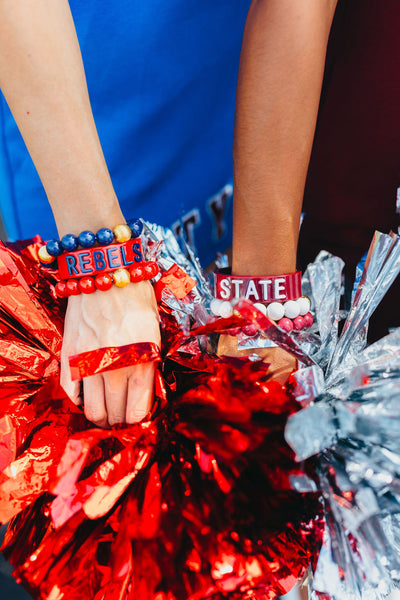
<point>87,239</point>
<point>104,281</point>
<point>301,319</point>
<point>110,257</point>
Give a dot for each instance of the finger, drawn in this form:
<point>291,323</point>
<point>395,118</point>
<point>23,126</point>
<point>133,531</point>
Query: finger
<point>93,398</point>
<point>227,345</point>
<point>140,392</point>
<point>71,388</point>
<point>282,365</point>
<point>115,389</point>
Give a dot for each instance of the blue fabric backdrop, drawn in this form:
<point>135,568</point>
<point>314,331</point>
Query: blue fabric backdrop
<point>162,77</point>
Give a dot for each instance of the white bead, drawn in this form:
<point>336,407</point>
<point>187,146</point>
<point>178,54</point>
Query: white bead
<point>304,305</point>
<point>292,309</point>
<point>275,311</point>
<point>215,305</point>
<point>225,309</point>
<point>261,307</point>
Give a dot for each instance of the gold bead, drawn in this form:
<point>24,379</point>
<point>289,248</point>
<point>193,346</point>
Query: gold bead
<point>122,233</point>
<point>121,277</point>
<point>44,256</point>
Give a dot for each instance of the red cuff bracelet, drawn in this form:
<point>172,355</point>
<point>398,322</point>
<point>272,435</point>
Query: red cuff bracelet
<point>278,288</point>
<point>101,259</point>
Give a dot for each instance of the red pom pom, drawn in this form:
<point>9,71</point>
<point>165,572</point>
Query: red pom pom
<point>298,323</point>
<point>103,282</point>
<point>150,269</point>
<point>308,320</point>
<point>72,287</point>
<point>86,285</point>
<point>136,274</point>
<point>61,289</point>
<point>286,324</point>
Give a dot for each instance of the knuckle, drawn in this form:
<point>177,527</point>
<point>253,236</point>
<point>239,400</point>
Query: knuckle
<point>96,416</point>
<point>116,419</point>
<point>137,415</point>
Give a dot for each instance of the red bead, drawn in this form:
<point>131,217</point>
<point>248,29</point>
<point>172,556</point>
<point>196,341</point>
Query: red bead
<point>86,285</point>
<point>250,330</point>
<point>285,324</point>
<point>136,274</point>
<point>61,289</point>
<point>298,323</point>
<point>308,320</point>
<point>150,269</point>
<point>103,282</point>
<point>72,287</point>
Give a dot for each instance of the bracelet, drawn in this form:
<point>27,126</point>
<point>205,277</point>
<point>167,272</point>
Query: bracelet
<point>258,289</point>
<point>104,281</point>
<point>278,297</point>
<point>115,260</point>
<point>276,311</point>
<point>87,239</point>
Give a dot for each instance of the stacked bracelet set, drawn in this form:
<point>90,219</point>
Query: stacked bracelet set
<point>90,262</point>
<point>278,297</point>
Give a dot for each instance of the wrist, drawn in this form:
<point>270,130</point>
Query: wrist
<point>90,215</point>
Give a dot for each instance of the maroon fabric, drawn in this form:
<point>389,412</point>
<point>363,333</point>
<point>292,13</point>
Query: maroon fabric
<point>355,164</point>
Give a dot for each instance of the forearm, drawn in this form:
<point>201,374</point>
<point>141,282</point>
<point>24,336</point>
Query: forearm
<point>280,79</point>
<point>43,80</point>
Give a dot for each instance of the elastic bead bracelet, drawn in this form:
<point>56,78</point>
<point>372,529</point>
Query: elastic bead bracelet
<point>87,239</point>
<point>90,262</point>
<point>223,308</point>
<point>105,281</point>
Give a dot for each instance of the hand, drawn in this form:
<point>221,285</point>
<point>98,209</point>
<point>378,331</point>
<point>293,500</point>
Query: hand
<point>281,362</point>
<point>114,318</point>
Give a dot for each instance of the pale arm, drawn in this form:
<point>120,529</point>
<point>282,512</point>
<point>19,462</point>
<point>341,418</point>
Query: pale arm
<point>43,80</point>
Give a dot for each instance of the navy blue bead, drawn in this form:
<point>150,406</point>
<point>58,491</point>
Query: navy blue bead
<point>54,247</point>
<point>69,242</point>
<point>105,236</point>
<point>136,226</point>
<point>86,239</point>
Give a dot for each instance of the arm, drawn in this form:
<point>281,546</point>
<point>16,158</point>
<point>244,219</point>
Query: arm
<point>280,78</point>
<point>279,86</point>
<point>43,80</point>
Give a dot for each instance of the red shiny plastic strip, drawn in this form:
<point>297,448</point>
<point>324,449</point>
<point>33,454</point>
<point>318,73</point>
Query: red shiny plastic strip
<point>112,357</point>
<point>100,259</point>
<point>177,281</point>
<point>258,289</point>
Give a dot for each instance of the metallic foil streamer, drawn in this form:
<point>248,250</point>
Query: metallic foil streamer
<point>194,503</point>
<point>106,359</point>
<point>205,500</point>
<point>354,452</point>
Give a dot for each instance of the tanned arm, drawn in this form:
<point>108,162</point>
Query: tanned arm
<point>279,86</point>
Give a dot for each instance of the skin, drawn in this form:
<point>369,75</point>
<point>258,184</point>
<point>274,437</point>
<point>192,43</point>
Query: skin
<point>43,80</point>
<point>279,86</point>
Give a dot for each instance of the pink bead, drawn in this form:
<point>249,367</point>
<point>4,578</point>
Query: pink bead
<point>234,331</point>
<point>250,330</point>
<point>308,320</point>
<point>286,324</point>
<point>298,323</point>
